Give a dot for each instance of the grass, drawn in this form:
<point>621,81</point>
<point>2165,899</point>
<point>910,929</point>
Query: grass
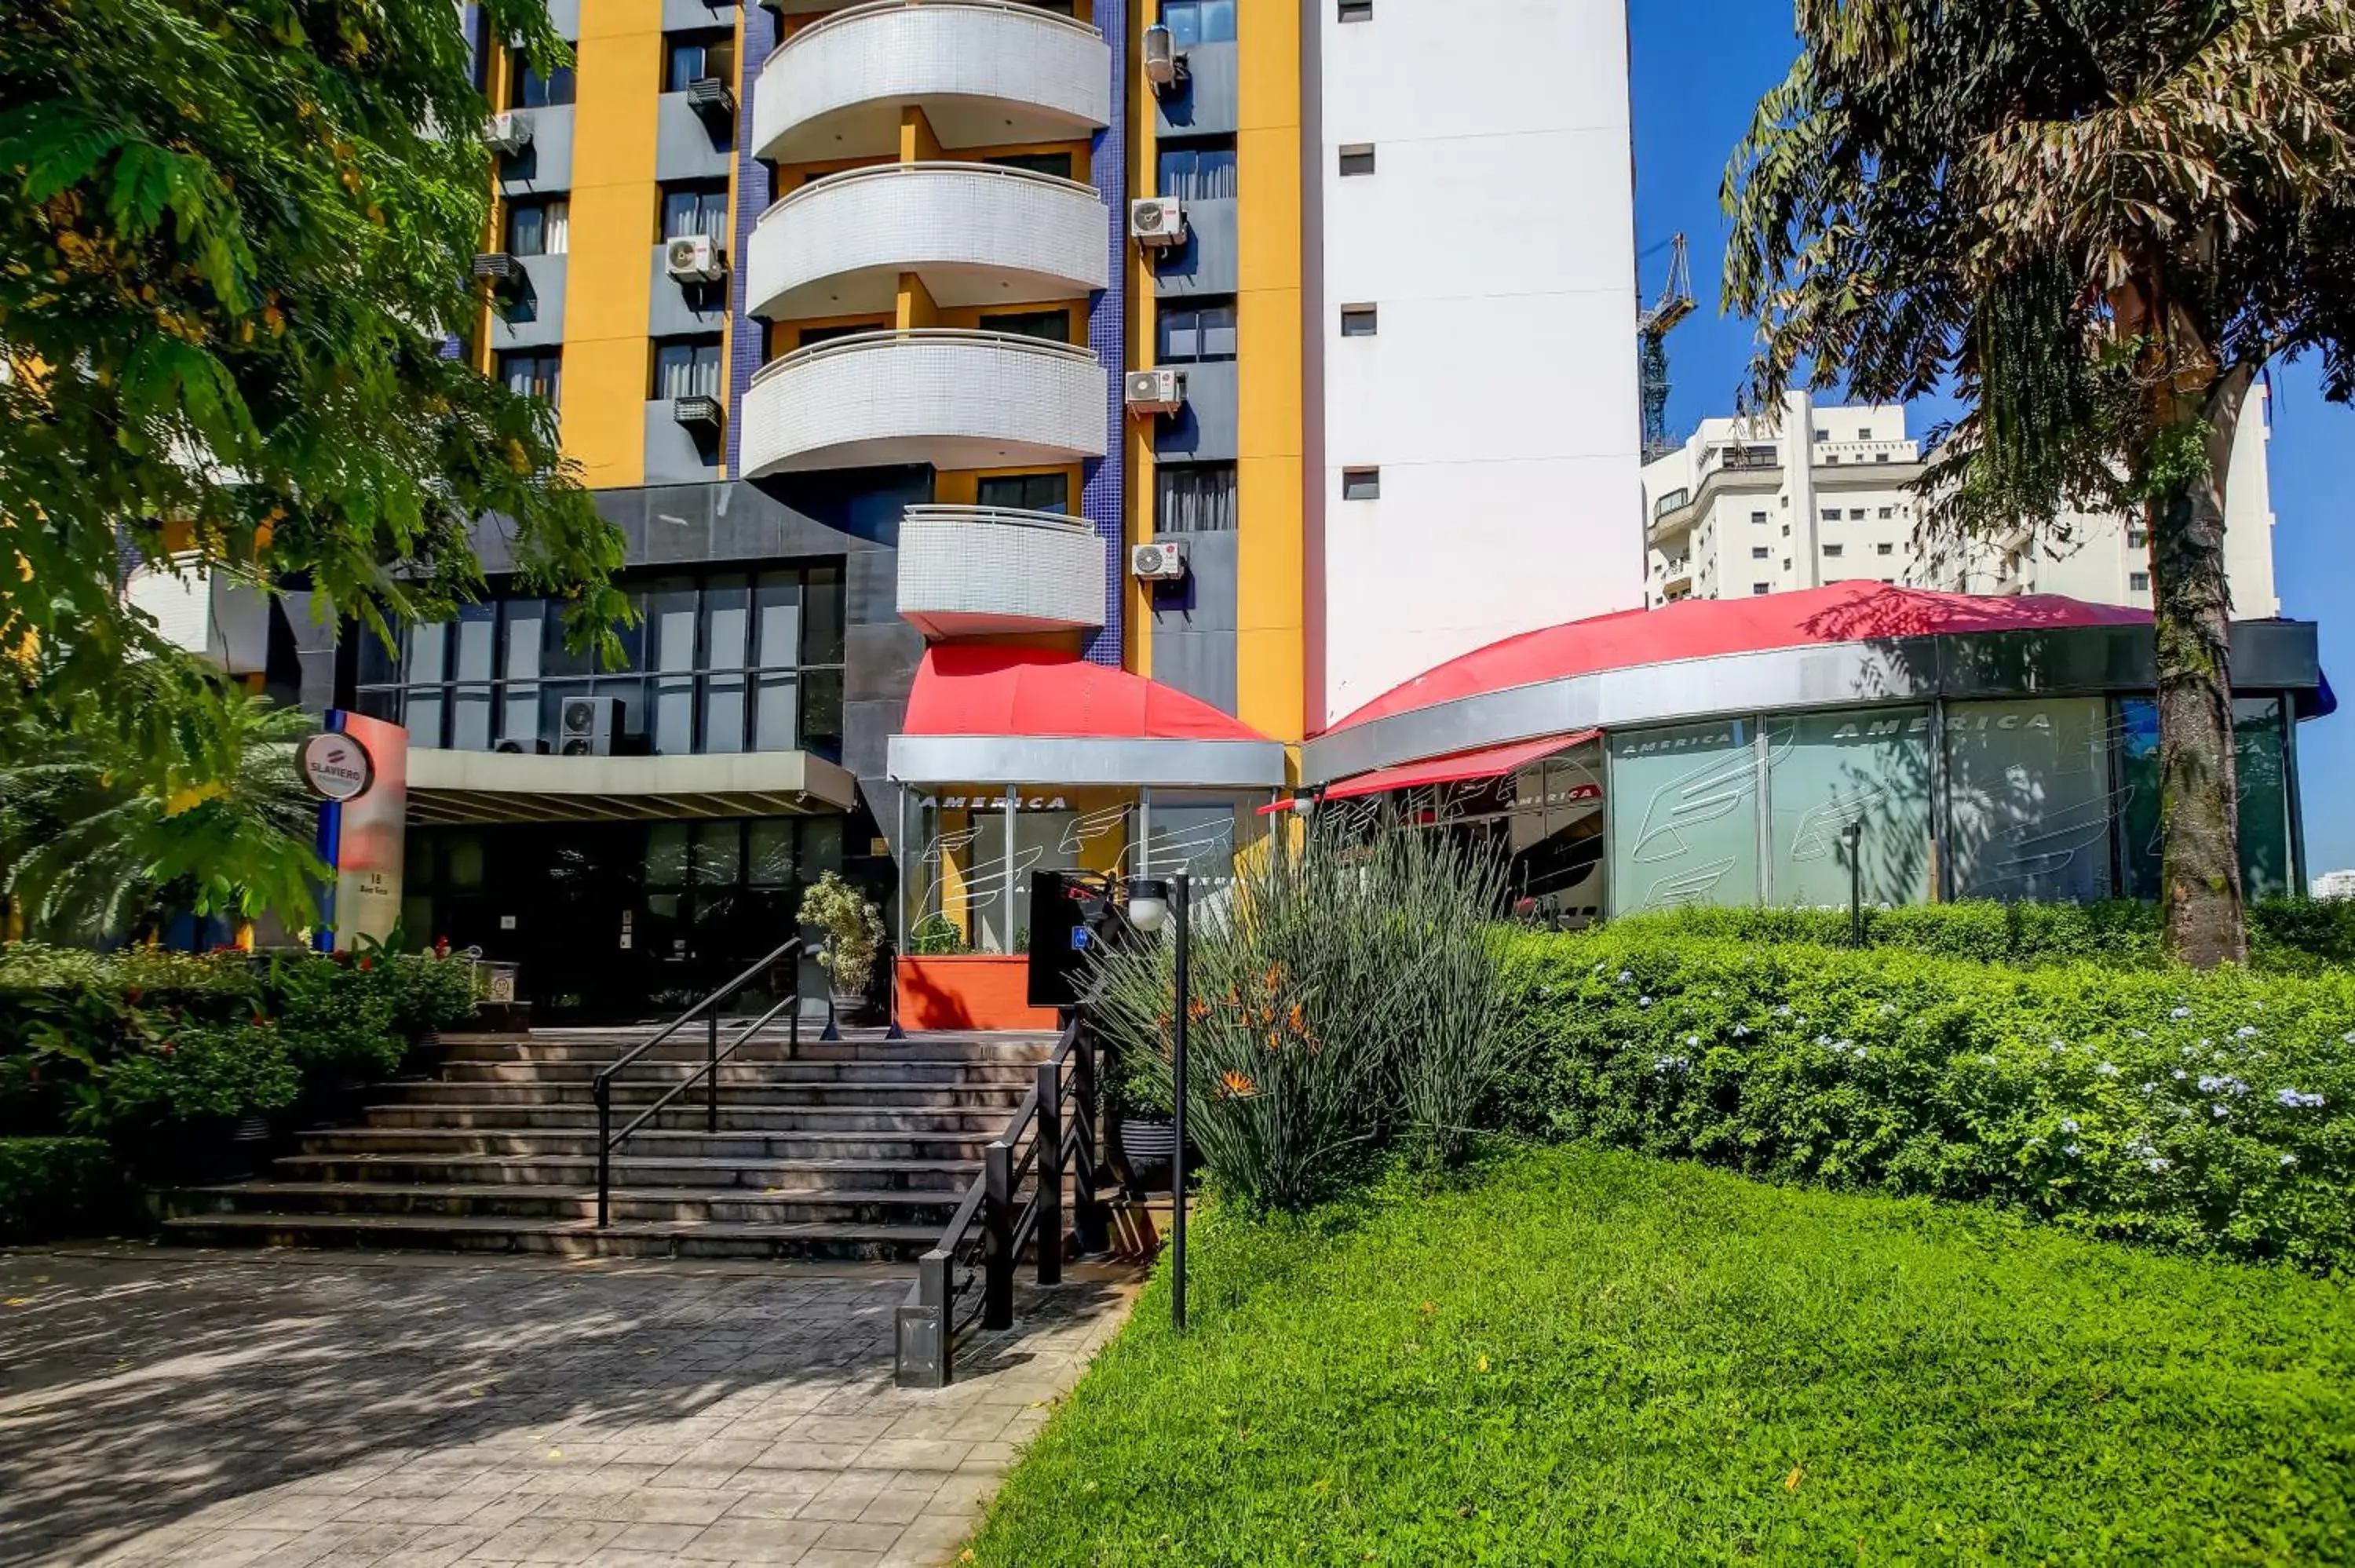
<point>1581,1355</point>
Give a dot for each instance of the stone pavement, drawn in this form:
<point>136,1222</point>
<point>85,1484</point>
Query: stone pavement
<point>414,1411</point>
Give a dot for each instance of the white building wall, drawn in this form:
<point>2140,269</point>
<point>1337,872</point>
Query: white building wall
<point>1498,397</point>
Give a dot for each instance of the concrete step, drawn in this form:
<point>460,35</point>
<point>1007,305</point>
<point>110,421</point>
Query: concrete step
<point>1018,1050</point>
<point>442,1142</point>
<point>630,1091</point>
<point>568,1238</point>
<point>444,1199</point>
<point>949,1176</point>
<point>688,1116</point>
<point>946,1073</point>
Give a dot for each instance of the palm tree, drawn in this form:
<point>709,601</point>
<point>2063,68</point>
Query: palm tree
<point>2097,221</point>
<point>205,811</point>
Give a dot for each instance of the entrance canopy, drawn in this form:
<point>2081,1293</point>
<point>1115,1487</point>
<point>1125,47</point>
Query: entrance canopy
<point>989,715</point>
<point>1458,768</point>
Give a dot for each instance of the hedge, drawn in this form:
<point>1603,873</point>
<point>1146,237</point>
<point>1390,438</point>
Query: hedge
<point>2207,1113</point>
<point>57,1186</point>
<point>2286,936</point>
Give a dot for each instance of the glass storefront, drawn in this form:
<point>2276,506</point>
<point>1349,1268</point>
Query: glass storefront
<point>1684,803</point>
<point>1827,772</point>
<point>2028,797</point>
<point>2261,768</point>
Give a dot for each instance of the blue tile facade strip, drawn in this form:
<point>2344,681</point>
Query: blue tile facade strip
<point>752,198</point>
<point>1104,489</point>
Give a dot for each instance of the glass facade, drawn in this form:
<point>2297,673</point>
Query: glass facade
<point>2029,797</point>
<point>1829,772</point>
<point>730,661</point>
<point>2261,767</point>
<point>1685,816</point>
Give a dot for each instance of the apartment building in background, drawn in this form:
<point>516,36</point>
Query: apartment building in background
<point>1027,423</point>
<point>1825,496</point>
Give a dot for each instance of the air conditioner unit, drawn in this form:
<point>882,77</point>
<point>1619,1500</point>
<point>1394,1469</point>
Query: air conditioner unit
<point>508,133</point>
<point>523,745</point>
<point>1159,562</point>
<point>1165,62</point>
<point>505,273</point>
<point>1156,221</point>
<point>591,726</point>
<point>698,411</point>
<point>693,259</point>
<point>1151,392</point>
<point>713,101</point>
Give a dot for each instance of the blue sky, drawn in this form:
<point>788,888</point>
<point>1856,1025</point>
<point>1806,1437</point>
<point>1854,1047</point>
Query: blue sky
<point>1699,68</point>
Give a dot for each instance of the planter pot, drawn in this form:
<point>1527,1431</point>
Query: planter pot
<point>850,1006</point>
<point>1145,1146</point>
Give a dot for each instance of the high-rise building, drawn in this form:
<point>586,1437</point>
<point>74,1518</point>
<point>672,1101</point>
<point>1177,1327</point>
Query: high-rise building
<point>1826,495</point>
<point>1027,423</point>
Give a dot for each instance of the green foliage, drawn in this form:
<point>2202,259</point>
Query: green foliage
<point>2288,936</point>
<point>2208,1113</point>
<point>936,936</point>
<point>97,838</point>
<point>234,238</point>
<point>853,927</point>
<point>56,1186</point>
<point>1588,1357</point>
<point>1344,996</point>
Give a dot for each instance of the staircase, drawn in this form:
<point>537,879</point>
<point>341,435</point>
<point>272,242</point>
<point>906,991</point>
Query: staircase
<point>856,1150</point>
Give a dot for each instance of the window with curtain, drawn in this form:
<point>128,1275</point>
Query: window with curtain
<point>687,367</point>
<point>532,373</point>
<point>1192,22</point>
<point>1197,171</point>
<point>1047,326</point>
<point>1194,332</point>
<point>538,227</point>
<point>698,208</point>
<point>1056,163</point>
<point>534,91</point>
<point>689,58</point>
<point>1194,498</point>
<point>1026,491</point>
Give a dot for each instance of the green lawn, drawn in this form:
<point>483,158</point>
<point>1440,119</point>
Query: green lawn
<point>1587,1356</point>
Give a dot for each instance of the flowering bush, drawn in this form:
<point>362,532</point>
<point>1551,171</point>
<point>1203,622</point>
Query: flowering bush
<point>2206,1112</point>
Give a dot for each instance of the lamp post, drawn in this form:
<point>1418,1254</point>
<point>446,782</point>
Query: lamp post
<point>1854,834</point>
<point>1150,901</point>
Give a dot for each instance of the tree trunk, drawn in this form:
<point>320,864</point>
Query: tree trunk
<point>2198,793</point>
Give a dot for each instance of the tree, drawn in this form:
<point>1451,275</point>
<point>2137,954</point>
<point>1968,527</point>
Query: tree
<point>2098,220</point>
<point>98,836</point>
<point>234,253</point>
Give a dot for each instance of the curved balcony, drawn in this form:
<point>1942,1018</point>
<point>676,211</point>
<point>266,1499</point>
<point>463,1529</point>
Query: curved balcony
<point>950,398</point>
<point>976,234</point>
<point>985,72</point>
<point>973,571</point>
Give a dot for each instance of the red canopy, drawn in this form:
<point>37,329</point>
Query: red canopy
<point>967,689</point>
<point>1701,628</point>
<point>1457,768</point>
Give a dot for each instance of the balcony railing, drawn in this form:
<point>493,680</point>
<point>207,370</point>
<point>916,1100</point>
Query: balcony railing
<point>985,72</point>
<point>975,234</point>
<point>970,571</point>
<point>953,398</point>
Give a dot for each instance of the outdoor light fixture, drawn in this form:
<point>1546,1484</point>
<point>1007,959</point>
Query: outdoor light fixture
<point>1149,903</point>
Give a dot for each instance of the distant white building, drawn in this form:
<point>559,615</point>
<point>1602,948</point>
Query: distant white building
<point>2335,885</point>
<point>1823,496</point>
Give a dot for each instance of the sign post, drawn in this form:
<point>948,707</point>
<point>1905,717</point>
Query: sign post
<point>358,766</point>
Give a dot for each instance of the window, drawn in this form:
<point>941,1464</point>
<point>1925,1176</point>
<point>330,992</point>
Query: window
<point>2138,538</point>
<point>1864,435</point>
<point>1194,22</point>
<point>1835,549</point>
<point>687,367</point>
<point>1026,491</point>
<point>1358,159</point>
<point>531,374</point>
<point>701,207</point>
<point>1823,435</point>
<point>1361,484</point>
<point>1856,514</point>
<point>733,662</point>
<point>1056,163</point>
<point>1760,551</point>
<point>1357,10</point>
<point>689,58</point>
<point>1194,333</point>
<point>817,334</point>
<point>1787,530</point>
<point>1197,171</point>
<point>1358,321</point>
<point>1047,326</point>
<point>1884,548</point>
<point>1889,512</point>
<point>1762,587</point>
<point>1194,498</point>
<point>1831,514</point>
<point>1880,457</point>
<point>2137,582</point>
<point>1758,517</point>
<point>538,227</point>
<point>533,90</point>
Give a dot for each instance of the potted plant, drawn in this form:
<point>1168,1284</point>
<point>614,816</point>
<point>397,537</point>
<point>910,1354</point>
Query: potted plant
<point>854,939</point>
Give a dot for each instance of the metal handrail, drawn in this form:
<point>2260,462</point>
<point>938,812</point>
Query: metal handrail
<point>1022,8</point>
<point>928,1326</point>
<point>996,516</point>
<point>883,337</point>
<point>824,184</point>
<point>601,1085</point>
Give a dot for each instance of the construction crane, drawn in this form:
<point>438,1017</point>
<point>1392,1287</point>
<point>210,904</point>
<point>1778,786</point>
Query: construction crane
<point>1652,329</point>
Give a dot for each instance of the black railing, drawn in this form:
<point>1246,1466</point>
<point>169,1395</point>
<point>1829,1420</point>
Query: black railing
<point>706,1010</point>
<point>1015,1203</point>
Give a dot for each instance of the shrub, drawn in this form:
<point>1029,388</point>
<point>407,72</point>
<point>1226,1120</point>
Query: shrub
<point>1342,996</point>
<point>55,1186</point>
<point>853,927</point>
<point>2208,1112</point>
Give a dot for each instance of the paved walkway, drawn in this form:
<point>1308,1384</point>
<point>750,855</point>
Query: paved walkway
<point>406,1411</point>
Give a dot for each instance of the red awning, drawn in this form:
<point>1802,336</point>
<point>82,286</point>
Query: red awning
<point>1458,768</point>
<point>969,689</point>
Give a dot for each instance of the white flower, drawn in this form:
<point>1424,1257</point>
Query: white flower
<point>2059,1047</point>
<point>1625,975</point>
<point>2180,1013</point>
<point>2348,1038</point>
<point>1823,1040</point>
<point>2218,1110</point>
<point>2068,1126</point>
<point>1886,1007</point>
<point>2138,1034</point>
<point>1692,1039</point>
<point>1643,1002</point>
<point>2158,1165</point>
<point>2289,1159</point>
<point>2072,1151</point>
<point>1742,1032</point>
<point>2106,1070</point>
<point>2178,1075</point>
<point>2298,1101</point>
<point>2150,1088</point>
<point>1988,1060</point>
<point>1861,1053</point>
<point>2245,1031</point>
<point>1784,1010</point>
